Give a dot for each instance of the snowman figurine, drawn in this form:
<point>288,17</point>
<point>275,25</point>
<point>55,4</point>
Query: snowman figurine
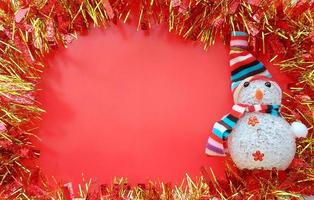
<point>257,136</point>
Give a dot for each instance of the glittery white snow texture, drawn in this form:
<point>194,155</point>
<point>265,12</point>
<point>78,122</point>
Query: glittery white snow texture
<point>261,140</point>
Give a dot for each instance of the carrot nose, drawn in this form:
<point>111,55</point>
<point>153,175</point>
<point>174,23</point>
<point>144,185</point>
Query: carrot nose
<point>259,94</point>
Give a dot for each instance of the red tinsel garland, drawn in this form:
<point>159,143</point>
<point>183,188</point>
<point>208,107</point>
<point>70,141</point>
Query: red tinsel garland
<point>29,29</point>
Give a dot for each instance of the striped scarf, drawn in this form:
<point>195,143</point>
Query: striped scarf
<point>223,128</point>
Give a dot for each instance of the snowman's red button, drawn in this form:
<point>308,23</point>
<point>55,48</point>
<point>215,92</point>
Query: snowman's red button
<point>252,121</point>
<point>258,156</point>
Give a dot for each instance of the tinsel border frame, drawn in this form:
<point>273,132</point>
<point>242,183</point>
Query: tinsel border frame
<point>30,29</point>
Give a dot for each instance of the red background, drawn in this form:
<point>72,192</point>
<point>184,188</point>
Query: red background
<point>132,104</point>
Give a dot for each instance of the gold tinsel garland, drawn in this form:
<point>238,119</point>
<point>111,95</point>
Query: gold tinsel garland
<point>29,29</point>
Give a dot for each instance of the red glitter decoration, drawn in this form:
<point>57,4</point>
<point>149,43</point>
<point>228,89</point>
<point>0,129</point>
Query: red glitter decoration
<point>258,156</point>
<point>253,121</point>
<point>281,32</point>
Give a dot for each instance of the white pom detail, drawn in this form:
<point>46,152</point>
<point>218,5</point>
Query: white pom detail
<point>299,129</point>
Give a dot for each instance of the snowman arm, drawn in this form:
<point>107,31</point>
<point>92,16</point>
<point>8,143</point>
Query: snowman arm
<point>299,129</point>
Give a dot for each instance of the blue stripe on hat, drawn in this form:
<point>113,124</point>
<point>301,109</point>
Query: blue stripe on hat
<point>238,33</point>
<point>235,84</point>
<point>247,70</point>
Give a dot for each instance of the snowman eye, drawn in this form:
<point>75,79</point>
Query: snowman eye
<point>268,84</point>
<point>246,84</point>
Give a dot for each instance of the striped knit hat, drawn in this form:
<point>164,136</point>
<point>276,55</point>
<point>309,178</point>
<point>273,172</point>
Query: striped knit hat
<point>244,66</point>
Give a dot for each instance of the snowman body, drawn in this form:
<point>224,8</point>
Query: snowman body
<point>258,137</point>
<point>262,141</point>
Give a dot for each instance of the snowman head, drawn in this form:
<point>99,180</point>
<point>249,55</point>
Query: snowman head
<point>250,80</point>
<point>258,90</point>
